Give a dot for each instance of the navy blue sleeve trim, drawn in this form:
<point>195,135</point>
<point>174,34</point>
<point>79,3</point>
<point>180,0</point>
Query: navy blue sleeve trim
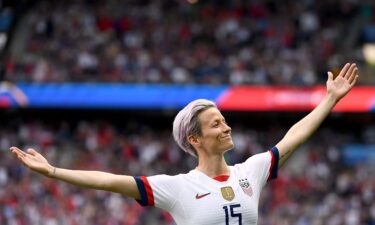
<point>275,164</point>
<point>142,191</point>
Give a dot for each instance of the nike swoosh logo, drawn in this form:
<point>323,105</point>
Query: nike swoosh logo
<point>201,196</point>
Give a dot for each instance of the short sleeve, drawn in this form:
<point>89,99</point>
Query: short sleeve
<point>159,191</point>
<point>263,165</point>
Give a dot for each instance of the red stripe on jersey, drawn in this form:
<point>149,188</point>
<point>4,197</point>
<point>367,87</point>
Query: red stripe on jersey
<point>222,178</point>
<point>150,194</point>
<point>272,165</point>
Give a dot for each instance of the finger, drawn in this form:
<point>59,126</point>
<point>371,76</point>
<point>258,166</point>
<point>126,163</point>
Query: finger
<point>350,71</point>
<point>330,76</point>
<point>14,149</point>
<point>17,151</point>
<point>21,156</point>
<point>22,159</point>
<point>353,75</point>
<point>344,70</point>
<point>354,81</point>
<point>32,152</point>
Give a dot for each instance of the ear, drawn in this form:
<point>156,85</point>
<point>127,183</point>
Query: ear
<point>193,140</point>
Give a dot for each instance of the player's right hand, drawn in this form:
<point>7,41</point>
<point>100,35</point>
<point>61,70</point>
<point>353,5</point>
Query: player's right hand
<point>33,160</point>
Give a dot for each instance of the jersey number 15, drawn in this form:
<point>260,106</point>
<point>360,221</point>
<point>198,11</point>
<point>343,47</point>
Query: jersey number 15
<point>229,212</point>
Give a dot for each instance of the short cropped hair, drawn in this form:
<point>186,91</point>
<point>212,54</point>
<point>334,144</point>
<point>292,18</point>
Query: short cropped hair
<point>186,123</point>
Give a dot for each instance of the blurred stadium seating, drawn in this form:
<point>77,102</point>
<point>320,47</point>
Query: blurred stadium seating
<point>216,42</point>
<point>178,43</point>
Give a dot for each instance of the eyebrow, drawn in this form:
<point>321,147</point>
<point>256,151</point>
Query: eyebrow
<point>217,119</point>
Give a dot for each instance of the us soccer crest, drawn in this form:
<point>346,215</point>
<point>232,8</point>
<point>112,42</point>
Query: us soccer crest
<point>245,185</point>
<point>227,193</point>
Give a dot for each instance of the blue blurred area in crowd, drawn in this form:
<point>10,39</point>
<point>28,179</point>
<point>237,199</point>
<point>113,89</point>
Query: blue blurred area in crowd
<point>211,42</point>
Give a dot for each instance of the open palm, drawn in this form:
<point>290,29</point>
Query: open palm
<point>342,84</point>
<point>32,160</point>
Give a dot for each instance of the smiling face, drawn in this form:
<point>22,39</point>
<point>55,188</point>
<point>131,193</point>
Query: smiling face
<point>216,134</point>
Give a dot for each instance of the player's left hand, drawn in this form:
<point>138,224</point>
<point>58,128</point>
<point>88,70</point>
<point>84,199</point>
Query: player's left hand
<point>338,87</point>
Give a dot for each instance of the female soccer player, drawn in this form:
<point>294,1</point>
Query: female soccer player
<point>213,193</point>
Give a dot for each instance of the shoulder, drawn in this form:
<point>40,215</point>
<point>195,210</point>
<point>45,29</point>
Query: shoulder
<point>260,160</point>
<point>255,160</point>
<point>169,179</point>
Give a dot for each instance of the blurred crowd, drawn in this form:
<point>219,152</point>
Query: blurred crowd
<point>315,188</point>
<point>188,42</point>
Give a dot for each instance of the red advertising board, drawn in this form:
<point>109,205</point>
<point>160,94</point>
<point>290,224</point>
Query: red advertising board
<point>263,98</point>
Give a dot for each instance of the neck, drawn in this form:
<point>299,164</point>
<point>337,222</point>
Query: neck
<point>213,166</point>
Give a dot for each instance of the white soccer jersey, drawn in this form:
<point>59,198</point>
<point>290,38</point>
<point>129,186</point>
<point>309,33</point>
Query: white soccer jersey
<point>196,199</point>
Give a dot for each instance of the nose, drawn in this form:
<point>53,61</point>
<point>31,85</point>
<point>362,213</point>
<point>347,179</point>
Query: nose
<point>227,128</point>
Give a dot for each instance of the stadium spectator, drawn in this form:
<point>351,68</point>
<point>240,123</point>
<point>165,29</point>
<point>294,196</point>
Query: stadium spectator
<point>212,42</point>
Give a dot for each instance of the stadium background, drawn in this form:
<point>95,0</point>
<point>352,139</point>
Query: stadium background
<point>59,61</point>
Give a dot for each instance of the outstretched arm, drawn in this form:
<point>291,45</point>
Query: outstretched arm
<point>337,88</point>
<point>122,184</point>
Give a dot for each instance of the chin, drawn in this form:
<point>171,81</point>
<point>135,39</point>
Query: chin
<point>229,147</point>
